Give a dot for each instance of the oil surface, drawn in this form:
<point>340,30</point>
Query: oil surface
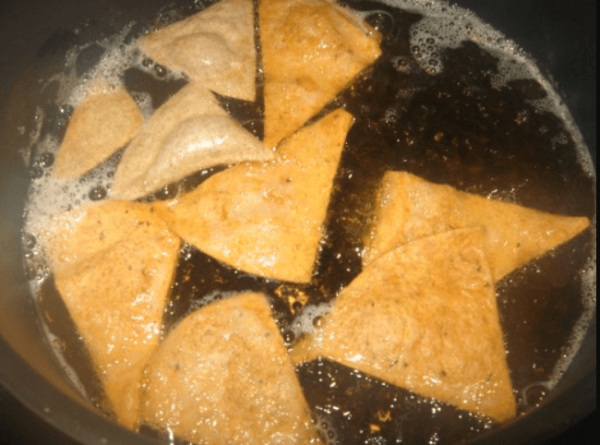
<point>442,102</point>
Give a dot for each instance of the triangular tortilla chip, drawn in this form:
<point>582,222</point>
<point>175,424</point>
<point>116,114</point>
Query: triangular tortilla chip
<point>311,50</point>
<point>214,47</point>
<point>223,376</point>
<point>113,264</point>
<point>102,123</point>
<point>410,208</point>
<point>424,317</point>
<point>188,133</point>
<point>266,218</point>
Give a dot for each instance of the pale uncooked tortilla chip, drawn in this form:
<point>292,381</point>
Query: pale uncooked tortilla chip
<point>424,317</point>
<point>214,47</point>
<point>410,208</point>
<point>266,218</point>
<point>312,49</point>
<point>223,376</point>
<point>188,133</point>
<point>113,264</point>
<point>102,123</point>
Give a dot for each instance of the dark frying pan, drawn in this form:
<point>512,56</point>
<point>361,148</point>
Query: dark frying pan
<point>37,405</point>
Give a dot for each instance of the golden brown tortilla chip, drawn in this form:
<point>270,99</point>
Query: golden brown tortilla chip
<point>214,47</point>
<point>411,208</point>
<point>100,125</point>
<point>424,317</point>
<point>113,264</point>
<point>223,376</point>
<point>188,133</point>
<point>266,218</point>
<point>311,49</point>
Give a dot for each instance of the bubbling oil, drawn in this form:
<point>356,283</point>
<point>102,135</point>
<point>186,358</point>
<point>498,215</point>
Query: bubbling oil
<point>451,100</point>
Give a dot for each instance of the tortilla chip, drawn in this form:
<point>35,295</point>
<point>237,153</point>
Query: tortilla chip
<point>223,376</point>
<point>214,47</point>
<point>188,133</point>
<point>113,264</point>
<point>424,317</point>
<point>411,208</point>
<point>311,50</point>
<point>101,124</point>
<point>266,218</point>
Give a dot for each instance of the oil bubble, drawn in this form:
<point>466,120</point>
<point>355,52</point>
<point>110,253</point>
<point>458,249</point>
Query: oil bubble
<point>318,321</point>
<point>97,193</point>
<point>46,159</point>
<point>381,21</point>
<point>534,394</point>
<point>325,430</point>
<point>289,337</point>
<point>29,241</point>
<point>160,70</point>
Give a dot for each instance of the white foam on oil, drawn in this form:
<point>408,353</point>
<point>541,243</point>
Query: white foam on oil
<point>49,196</point>
<point>307,321</point>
